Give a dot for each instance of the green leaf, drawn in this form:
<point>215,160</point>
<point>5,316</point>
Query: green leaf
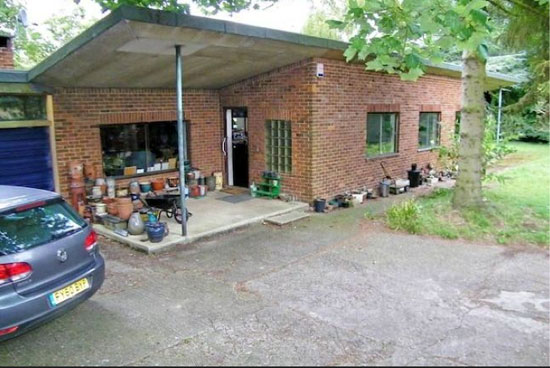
<point>412,61</point>
<point>412,74</point>
<point>480,17</point>
<point>336,24</point>
<point>350,53</point>
<point>483,51</point>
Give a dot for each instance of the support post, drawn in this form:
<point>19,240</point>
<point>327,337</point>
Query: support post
<point>181,140</point>
<point>499,114</point>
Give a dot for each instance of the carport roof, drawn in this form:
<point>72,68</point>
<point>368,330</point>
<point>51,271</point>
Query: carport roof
<point>134,47</point>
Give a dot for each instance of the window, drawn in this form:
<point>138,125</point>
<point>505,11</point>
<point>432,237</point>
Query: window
<point>20,231</point>
<point>130,149</point>
<point>278,146</point>
<point>428,130</point>
<point>22,107</point>
<point>381,134</point>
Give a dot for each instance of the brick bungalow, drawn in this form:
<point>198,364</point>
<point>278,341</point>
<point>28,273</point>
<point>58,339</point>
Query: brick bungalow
<point>324,124</point>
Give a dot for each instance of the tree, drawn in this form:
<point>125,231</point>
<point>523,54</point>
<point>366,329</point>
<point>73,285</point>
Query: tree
<point>316,24</point>
<point>32,43</point>
<point>208,6</point>
<point>399,36</point>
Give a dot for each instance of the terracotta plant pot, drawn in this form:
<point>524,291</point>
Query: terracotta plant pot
<point>173,181</point>
<point>76,169</point>
<point>123,200</point>
<point>158,184</point>
<point>112,209</point>
<point>125,210</point>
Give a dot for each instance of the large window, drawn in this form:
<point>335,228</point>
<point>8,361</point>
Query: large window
<point>22,107</point>
<point>278,146</point>
<point>381,134</point>
<point>428,130</point>
<point>130,149</point>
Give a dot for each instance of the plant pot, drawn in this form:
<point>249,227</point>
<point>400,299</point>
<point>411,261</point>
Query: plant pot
<point>112,209</point>
<point>123,200</point>
<point>211,183</point>
<point>156,231</point>
<point>173,181</point>
<point>125,210</point>
<point>158,184</point>
<point>145,186</point>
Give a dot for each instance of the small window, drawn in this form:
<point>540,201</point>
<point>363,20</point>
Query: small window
<point>428,130</point>
<point>130,149</point>
<point>278,146</point>
<point>37,226</point>
<point>381,134</point>
<point>22,107</point>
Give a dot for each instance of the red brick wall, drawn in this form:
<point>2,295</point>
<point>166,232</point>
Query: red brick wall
<point>79,112</point>
<point>6,56</point>
<point>283,94</point>
<point>341,101</point>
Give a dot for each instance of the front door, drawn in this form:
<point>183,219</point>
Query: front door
<point>236,146</point>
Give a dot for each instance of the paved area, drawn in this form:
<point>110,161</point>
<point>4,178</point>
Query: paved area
<point>333,289</point>
<point>216,213</point>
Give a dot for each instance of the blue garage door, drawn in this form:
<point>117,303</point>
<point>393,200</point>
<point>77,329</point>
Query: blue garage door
<point>25,158</point>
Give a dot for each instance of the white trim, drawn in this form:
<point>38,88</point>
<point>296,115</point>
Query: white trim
<point>229,145</point>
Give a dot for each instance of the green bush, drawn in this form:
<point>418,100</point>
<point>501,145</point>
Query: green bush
<point>404,216</point>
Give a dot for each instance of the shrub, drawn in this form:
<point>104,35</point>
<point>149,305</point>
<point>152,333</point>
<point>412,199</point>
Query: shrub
<point>404,216</point>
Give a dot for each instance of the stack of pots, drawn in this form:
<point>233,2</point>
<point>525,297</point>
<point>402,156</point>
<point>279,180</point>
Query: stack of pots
<point>124,207</point>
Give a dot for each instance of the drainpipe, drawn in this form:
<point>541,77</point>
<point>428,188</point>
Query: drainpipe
<point>181,140</point>
<point>499,116</point>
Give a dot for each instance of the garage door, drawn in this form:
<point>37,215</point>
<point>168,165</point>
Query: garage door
<point>25,158</point>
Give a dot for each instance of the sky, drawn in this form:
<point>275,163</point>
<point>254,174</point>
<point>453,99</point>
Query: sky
<point>286,15</point>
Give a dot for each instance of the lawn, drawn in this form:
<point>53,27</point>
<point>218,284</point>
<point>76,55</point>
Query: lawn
<point>516,211</point>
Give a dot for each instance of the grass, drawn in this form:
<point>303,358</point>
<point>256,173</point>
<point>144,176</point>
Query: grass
<point>516,211</point>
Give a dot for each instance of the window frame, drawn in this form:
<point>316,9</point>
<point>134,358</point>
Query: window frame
<point>396,132</point>
<point>147,145</point>
<point>268,142</point>
<point>438,136</point>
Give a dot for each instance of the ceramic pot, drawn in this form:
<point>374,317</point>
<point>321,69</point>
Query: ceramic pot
<point>195,191</point>
<point>156,231</point>
<point>123,200</point>
<point>158,184</point>
<point>122,192</point>
<point>100,208</point>
<point>145,186</point>
<point>136,226</point>
<point>76,169</point>
<point>134,187</point>
<point>96,192</point>
<point>112,209</point>
<point>211,183</point>
<point>173,181</point>
<point>125,210</point>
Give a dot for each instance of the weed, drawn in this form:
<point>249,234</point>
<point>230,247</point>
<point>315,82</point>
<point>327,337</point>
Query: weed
<point>404,216</point>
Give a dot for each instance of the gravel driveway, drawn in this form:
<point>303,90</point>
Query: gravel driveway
<point>335,289</point>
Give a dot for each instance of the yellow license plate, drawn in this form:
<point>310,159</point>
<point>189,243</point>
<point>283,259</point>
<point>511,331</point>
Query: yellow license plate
<point>68,292</point>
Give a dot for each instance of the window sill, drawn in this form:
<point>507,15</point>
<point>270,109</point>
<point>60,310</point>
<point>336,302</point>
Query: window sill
<point>428,149</point>
<point>150,173</point>
<point>388,155</point>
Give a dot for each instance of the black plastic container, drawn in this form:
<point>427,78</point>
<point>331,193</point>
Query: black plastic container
<point>319,205</point>
<point>414,176</point>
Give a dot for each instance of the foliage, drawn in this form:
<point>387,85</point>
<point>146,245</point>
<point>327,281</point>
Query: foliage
<point>316,24</point>
<point>404,216</point>
<point>32,44</point>
<point>208,6</point>
<point>517,210</point>
<point>492,151</point>
<point>398,36</point>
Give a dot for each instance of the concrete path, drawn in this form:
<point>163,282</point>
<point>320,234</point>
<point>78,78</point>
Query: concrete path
<point>333,289</point>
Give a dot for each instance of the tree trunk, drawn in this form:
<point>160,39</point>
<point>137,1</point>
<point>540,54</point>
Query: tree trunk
<point>468,183</point>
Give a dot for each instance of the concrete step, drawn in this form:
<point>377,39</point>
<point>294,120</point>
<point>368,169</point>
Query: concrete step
<point>286,218</point>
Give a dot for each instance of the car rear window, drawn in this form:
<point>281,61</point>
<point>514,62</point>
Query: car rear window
<point>29,228</point>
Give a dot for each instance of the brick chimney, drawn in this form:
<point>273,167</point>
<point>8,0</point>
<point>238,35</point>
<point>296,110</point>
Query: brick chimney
<point>6,51</point>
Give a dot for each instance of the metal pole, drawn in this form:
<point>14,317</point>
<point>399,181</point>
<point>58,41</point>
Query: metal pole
<point>499,114</point>
<point>181,140</point>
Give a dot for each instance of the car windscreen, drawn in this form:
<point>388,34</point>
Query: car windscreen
<point>22,230</point>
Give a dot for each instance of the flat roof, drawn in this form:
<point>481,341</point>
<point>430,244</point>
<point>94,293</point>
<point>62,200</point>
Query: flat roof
<point>134,47</point>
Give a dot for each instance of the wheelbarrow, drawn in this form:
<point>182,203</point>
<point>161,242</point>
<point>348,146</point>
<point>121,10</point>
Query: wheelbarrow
<point>168,203</point>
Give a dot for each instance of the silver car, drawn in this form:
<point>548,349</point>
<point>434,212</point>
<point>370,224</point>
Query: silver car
<point>49,259</point>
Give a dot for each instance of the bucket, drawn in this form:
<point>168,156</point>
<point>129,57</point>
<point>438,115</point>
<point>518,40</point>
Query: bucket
<point>319,205</point>
<point>211,183</point>
<point>385,188</point>
<point>202,189</point>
